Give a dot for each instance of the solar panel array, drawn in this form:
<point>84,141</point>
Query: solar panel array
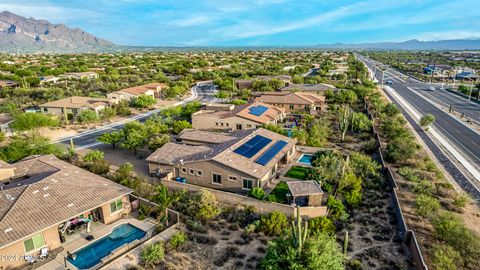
<point>252,146</point>
<point>257,110</point>
<point>271,152</point>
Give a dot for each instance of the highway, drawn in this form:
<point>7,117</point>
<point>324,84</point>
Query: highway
<point>465,140</point>
<point>203,93</point>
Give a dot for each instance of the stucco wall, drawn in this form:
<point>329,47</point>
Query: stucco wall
<point>109,217</point>
<point>203,121</point>
<point>12,255</point>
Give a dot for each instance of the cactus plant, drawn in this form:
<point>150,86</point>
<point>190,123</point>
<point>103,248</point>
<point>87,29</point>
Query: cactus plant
<point>299,234</point>
<point>345,243</point>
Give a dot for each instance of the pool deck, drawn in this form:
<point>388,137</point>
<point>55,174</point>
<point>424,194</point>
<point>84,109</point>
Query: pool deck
<point>98,231</point>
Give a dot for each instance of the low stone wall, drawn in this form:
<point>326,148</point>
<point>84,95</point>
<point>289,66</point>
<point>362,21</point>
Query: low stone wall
<point>260,206</point>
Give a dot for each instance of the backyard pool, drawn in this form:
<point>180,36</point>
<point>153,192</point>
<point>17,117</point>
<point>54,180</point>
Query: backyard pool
<point>305,159</point>
<point>92,254</point>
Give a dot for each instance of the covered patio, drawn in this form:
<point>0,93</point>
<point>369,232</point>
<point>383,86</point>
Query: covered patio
<point>305,193</point>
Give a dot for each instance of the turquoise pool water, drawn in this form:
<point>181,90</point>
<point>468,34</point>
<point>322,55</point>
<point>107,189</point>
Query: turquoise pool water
<point>92,254</point>
<point>307,159</point>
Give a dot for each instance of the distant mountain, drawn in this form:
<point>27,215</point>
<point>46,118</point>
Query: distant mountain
<point>414,44</point>
<point>20,34</point>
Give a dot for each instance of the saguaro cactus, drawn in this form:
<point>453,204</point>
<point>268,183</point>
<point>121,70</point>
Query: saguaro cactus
<point>345,243</point>
<point>299,234</point>
<point>344,120</point>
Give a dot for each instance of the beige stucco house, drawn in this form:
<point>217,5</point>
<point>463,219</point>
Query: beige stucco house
<point>247,116</point>
<point>151,89</point>
<point>318,89</point>
<point>249,159</point>
<point>41,196</point>
<point>73,105</point>
<point>294,102</point>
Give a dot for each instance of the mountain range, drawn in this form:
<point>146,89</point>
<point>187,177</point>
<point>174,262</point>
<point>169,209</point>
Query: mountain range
<point>24,35</point>
<point>20,34</point>
<point>414,44</point>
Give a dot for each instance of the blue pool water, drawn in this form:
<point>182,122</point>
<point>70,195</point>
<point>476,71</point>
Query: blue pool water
<point>92,254</point>
<point>307,159</point>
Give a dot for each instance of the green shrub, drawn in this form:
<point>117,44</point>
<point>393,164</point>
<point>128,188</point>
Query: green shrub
<point>152,254</point>
<point>426,205</point>
<point>460,200</point>
<point>453,232</point>
<point>257,193</point>
<point>445,257</point>
<point>99,167</point>
<point>273,223</point>
<point>321,225</point>
<point>252,227</point>
<point>355,264</point>
<point>93,155</point>
<point>177,240</point>
<point>207,205</point>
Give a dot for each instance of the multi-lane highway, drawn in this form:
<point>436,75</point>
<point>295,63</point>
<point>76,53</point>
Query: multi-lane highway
<point>203,92</point>
<point>464,140</point>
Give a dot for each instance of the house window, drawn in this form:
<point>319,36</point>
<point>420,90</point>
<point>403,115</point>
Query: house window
<point>192,171</point>
<point>249,126</point>
<point>292,107</point>
<point>307,107</point>
<point>199,173</point>
<point>116,205</point>
<point>274,169</point>
<point>216,124</point>
<point>247,184</point>
<point>232,178</point>
<point>45,109</point>
<point>184,170</point>
<point>34,243</point>
<point>227,124</point>
<point>216,178</point>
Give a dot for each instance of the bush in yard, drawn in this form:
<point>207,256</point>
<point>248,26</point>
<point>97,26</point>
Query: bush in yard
<point>426,205</point>
<point>460,200</point>
<point>158,141</point>
<point>32,121</point>
<point>87,117</point>
<point>273,223</point>
<point>391,110</point>
<point>143,101</point>
<point>257,193</point>
<point>99,167</point>
<point>178,126</point>
<point>152,254</point>
<point>445,257</point>
<point>93,155</point>
<point>208,207</point>
<point>321,225</point>
<point>177,240</point>
<point>336,209</point>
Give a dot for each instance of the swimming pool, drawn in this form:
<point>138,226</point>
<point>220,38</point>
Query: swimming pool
<point>92,254</point>
<point>305,159</point>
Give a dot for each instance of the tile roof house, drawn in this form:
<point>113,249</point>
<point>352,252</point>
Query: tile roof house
<point>249,160</point>
<point>8,84</point>
<point>201,137</point>
<point>318,89</point>
<point>294,102</point>
<point>80,75</point>
<point>151,89</point>
<point>246,116</point>
<point>41,194</point>
<point>248,83</point>
<point>76,104</point>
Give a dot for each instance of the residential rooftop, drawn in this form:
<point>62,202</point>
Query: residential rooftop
<point>77,102</point>
<point>297,98</point>
<point>45,191</point>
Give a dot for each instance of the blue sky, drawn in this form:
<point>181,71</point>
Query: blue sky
<point>258,22</point>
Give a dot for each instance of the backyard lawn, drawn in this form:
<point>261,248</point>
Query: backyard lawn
<point>297,172</point>
<point>279,193</point>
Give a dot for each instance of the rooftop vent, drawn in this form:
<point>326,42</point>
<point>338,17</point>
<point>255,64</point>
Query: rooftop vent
<point>35,191</point>
<point>70,205</point>
<point>46,195</point>
<point>7,230</point>
<point>45,188</point>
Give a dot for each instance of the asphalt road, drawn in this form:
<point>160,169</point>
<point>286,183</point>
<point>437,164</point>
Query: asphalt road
<point>439,96</point>
<point>203,93</point>
<point>464,139</point>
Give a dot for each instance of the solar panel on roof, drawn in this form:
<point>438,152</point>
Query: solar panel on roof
<point>271,152</point>
<point>257,110</point>
<point>252,146</point>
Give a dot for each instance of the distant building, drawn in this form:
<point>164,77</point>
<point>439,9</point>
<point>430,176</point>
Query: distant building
<point>8,84</point>
<point>249,159</point>
<point>49,79</point>
<point>5,121</point>
<point>318,89</point>
<point>80,75</point>
<point>151,89</point>
<point>229,117</point>
<point>294,102</point>
<point>247,84</point>
<point>75,104</point>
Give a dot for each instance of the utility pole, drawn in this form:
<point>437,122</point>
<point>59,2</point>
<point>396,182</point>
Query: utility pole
<point>471,90</point>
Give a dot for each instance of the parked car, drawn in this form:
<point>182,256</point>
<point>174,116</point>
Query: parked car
<point>390,82</point>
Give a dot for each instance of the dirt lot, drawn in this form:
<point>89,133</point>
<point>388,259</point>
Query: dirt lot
<point>222,246</point>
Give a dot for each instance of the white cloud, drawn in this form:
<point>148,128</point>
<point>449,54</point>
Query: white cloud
<point>191,21</point>
<point>55,14</point>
